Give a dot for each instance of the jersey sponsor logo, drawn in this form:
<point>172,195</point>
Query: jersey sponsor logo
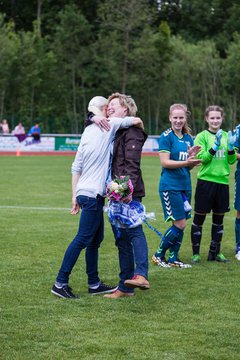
<point>183,155</point>
<point>167,132</point>
<point>220,154</point>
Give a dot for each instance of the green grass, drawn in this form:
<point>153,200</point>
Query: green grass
<point>187,314</point>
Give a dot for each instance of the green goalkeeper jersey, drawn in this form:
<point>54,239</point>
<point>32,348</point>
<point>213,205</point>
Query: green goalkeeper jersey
<point>215,165</point>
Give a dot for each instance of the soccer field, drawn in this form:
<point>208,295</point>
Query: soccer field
<point>187,313</point>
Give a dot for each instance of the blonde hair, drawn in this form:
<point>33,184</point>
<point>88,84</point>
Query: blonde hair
<point>214,108</point>
<point>125,101</point>
<point>186,129</point>
<point>96,105</point>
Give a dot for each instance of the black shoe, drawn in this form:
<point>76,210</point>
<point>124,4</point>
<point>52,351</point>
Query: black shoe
<point>102,289</point>
<point>211,256</point>
<point>64,292</point>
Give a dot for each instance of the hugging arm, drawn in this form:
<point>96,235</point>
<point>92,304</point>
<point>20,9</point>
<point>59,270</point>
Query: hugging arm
<point>101,121</point>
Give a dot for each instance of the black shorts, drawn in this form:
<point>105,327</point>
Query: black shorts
<point>211,196</point>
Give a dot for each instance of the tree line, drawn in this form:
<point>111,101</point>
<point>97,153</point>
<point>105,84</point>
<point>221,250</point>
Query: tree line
<point>55,55</point>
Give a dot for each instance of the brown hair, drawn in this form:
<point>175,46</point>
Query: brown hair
<point>214,108</point>
<point>186,129</point>
<point>126,101</point>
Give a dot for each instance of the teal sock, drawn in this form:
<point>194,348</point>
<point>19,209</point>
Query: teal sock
<point>169,238</point>
<point>176,247</point>
<point>237,234</point>
<point>171,257</point>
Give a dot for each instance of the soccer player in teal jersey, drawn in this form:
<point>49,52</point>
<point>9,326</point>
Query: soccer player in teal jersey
<point>176,152</point>
<point>212,190</point>
<point>237,196</point>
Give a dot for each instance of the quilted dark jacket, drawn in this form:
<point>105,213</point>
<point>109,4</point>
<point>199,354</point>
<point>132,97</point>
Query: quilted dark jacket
<point>126,158</point>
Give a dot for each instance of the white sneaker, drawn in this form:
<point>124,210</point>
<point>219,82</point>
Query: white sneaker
<point>160,261</point>
<point>179,264</point>
<point>237,256</point>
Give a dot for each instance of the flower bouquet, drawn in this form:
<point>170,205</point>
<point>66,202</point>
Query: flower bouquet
<point>120,189</point>
<point>122,211</point>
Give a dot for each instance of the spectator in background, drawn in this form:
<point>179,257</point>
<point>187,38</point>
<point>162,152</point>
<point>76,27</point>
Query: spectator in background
<point>35,132</point>
<point>5,127</point>
<point>19,129</point>
<point>19,132</point>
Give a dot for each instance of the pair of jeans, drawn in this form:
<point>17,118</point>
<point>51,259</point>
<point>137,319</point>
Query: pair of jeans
<point>132,247</point>
<point>89,236</point>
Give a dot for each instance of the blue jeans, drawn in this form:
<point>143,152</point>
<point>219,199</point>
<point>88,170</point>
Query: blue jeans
<point>132,246</point>
<point>89,236</point>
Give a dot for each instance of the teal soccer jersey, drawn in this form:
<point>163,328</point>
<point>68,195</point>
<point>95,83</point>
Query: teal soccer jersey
<point>175,179</point>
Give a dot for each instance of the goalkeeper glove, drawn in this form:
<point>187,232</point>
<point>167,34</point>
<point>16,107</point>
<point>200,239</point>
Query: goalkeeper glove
<point>217,140</point>
<point>231,140</point>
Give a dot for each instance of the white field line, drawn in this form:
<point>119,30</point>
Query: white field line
<point>39,208</point>
<point>30,208</point>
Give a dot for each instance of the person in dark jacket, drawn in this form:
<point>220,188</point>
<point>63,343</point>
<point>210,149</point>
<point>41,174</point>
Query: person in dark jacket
<point>126,160</point>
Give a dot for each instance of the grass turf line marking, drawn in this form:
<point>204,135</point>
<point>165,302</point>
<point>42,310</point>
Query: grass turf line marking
<point>33,208</point>
<point>58,209</point>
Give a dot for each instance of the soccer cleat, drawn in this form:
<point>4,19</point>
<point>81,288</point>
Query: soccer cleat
<point>221,258</point>
<point>102,289</point>
<point>117,294</point>
<point>160,261</point>
<point>179,264</point>
<point>237,256</point>
<point>137,281</point>
<point>64,292</point>
<point>211,256</point>
<point>196,258</point>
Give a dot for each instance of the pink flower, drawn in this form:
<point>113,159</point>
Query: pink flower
<point>120,189</point>
<point>117,197</point>
<point>130,185</point>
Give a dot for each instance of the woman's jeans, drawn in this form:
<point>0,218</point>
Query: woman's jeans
<point>132,247</point>
<point>89,236</point>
